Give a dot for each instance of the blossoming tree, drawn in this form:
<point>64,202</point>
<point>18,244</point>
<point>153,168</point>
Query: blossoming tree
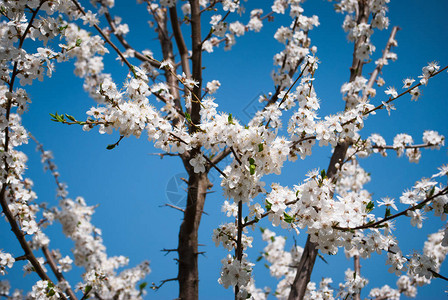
<point>165,99</point>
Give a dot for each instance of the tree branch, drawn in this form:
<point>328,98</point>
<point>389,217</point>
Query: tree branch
<point>106,38</point>
<point>390,43</point>
<point>357,265</point>
<point>389,147</point>
<point>174,206</point>
<point>196,60</point>
<point>183,51</point>
<point>220,156</point>
<point>308,258</point>
<point>239,245</point>
<point>156,287</point>
<point>56,272</point>
<point>3,201</point>
<point>125,44</point>
<point>414,207</point>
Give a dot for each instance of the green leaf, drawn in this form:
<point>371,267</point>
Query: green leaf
<point>51,292</point>
<point>268,205</point>
<point>431,192</point>
<point>62,28</point>
<point>71,118</point>
<point>260,147</point>
<point>188,117</point>
<point>87,289</point>
<point>370,206</point>
<point>78,42</point>
<point>388,212</point>
<point>259,258</point>
<point>60,118</point>
<point>142,285</point>
<point>322,174</point>
<point>252,169</point>
<point>252,166</point>
<point>110,146</point>
<point>288,218</point>
<point>230,119</point>
<point>133,71</point>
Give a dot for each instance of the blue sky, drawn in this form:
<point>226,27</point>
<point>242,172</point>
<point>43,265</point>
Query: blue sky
<point>130,185</point>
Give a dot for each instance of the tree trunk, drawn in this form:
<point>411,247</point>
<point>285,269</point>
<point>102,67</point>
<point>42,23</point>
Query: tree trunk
<point>306,264</point>
<point>308,258</point>
<point>188,237</point>
<point>304,270</point>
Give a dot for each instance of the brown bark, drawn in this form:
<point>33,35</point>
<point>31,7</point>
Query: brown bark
<point>59,276</point>
<point>196,58</point>
<point>29,255</point>
<point>357,265</point>
<point>183,50</point>
<point>198,183</point>
<point>168,55</point>
<point>306,264</point>
<point>188,275</point>
<point>304,270</point>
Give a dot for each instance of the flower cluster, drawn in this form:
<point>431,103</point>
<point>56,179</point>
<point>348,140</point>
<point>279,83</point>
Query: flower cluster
<point>360,32</point>
<point>235,272</point>
<point>296,41</point>
<point>226,32</point>
<point>334,209</point>
<point>282,263</point>
<point>6,260</point>
<point>352,285</point>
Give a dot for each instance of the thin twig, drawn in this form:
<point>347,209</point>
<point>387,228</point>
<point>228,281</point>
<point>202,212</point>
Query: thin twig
<point>203,155</point>
<point>125,44</point>
<point>162,155</point>
<point>105,37</point>
<point>419,146</point>
<point>414,207</point>
<point>169,250</point>
<point>86,295</point>
<point>399,95</point>
<point>5,207</point>
<point>389,45</point>
<point>156,287</point>
<point>173,206</point>
<point>357,265</point>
